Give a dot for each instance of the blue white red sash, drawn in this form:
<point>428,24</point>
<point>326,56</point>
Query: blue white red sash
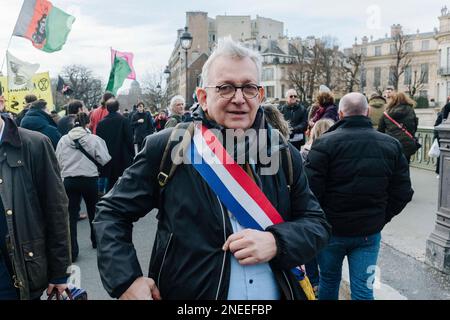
<point>234,187</point>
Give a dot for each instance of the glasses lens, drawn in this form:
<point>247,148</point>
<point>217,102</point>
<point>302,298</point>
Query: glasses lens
<point>293,97</point>
<point>250,91</point>
<point>227,91</point>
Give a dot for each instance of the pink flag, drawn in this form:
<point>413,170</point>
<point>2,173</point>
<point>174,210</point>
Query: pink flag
<point>128,56</point>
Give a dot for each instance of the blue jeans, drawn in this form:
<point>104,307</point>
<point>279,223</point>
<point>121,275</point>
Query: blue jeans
<point>362,254</point>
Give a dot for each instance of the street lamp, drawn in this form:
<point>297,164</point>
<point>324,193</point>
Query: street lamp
<point>186,44</point>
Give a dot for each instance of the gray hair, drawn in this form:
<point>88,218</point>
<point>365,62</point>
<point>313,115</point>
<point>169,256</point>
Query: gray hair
<point>228,48</point>
<point>286,95</point>
<point>174,101</point>
<point>354,104</point>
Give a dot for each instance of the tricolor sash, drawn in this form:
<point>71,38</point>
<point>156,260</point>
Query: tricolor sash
<point>233,186</point>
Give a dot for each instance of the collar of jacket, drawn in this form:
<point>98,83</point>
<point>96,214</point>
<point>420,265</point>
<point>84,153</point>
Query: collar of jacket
<point>33,112</point>
<point>352,122</point>
<point>11,144</point>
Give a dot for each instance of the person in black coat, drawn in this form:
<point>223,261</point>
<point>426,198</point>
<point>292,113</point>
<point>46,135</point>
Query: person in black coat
<point>38,119</point>
<point>142,124</point>
<point>361,179</point>
<point>297,116</point>
<point>29,99</point>
<point>115,129</point>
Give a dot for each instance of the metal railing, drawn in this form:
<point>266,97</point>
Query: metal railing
<point>421,159</point>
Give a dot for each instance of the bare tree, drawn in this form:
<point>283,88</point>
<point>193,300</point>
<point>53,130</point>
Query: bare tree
<point>298,72</point>
<point>402,58</point>
<point>154,94</point>
<point>352,69</point>
<point>85,85</point>
<point>417,83</point>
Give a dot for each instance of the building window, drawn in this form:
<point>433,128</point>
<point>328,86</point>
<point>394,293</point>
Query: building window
<point>378,51</point>
<point>408,47</point>
<point>377,77</point>
<point>283,89</point>
<point>425,45</point>
<point>424,73</point>
<point>363,78</point>
<point>448,88</point>
<point>407,76</point>
<point>391,76</point>
<point>268,74</point>
<point>364,51</point>
<point>270,92</point>
<point>392,49</point>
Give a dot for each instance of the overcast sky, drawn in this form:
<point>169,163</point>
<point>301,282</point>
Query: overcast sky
<point>148,28</point>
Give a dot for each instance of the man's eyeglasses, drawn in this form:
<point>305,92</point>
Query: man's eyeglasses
<point>293,97</point>
<point>228,91</point>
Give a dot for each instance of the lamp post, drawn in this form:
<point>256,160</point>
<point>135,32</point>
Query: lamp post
<point>186,44</point>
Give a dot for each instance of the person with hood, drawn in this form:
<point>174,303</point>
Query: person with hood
<point>142,124</point>
<point>401,109</point>
<point>377,105</point>
<point>80,173</point>
<point>39,119</point>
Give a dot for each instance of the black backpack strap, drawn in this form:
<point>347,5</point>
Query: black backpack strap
<point>167,167</point>
<point>78,146</point>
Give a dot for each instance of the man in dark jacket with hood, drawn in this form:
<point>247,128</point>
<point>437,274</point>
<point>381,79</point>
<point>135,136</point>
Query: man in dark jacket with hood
<point>38,119</point>
<point>29,99</point>
<point>202,250</point>
<point>297,116</point>
<point>34,228</point>
<point>361,179</point>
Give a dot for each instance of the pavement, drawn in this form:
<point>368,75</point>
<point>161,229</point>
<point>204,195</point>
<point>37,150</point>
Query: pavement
<point>403,273</point>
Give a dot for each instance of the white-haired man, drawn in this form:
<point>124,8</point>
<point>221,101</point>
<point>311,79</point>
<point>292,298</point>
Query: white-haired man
<point>176,108</point>
<point>203,250</point>
<point>361,179</point>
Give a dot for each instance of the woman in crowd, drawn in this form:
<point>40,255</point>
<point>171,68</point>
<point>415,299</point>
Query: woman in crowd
<point>79,154</point>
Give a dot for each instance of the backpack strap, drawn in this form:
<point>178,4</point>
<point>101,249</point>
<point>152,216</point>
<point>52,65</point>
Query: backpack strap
<point>167,167</point>
<point>78,146</point>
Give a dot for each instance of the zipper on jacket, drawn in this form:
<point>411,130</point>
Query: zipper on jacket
<point>289,285</point>
<point>224,254</point>
<point>164,257</point>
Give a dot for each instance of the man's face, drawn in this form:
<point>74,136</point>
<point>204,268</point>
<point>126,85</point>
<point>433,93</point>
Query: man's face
<point>239,112</point>
<point>389,93</point>
<point>140,108</point>
<point>291,97</point>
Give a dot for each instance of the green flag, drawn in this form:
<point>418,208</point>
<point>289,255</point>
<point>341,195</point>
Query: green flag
<point>119,72</point>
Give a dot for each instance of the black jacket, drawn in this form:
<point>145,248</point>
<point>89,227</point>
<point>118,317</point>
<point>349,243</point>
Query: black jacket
<point>297,116</point>
<point>32,192</point>
<point>141,130</point>
<point>187,260</point>
<point>38,120</point>
<point>360,177</point>
<point>115,129</point>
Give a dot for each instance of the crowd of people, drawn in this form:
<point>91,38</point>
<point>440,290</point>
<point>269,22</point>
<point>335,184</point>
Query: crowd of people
<point>344,174</point>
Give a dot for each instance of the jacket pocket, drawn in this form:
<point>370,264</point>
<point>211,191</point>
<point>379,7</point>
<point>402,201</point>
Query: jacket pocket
<point>36,264</point>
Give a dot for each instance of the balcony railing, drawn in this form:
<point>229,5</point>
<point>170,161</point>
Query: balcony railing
<point>421,158</point>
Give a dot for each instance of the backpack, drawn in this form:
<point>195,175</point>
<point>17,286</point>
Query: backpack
<point>167,167</point>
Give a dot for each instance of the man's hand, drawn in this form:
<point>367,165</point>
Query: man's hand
<point>251,247</point>
<point>142,289</point>
<point>141,120</point>
<point>61,288</point>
